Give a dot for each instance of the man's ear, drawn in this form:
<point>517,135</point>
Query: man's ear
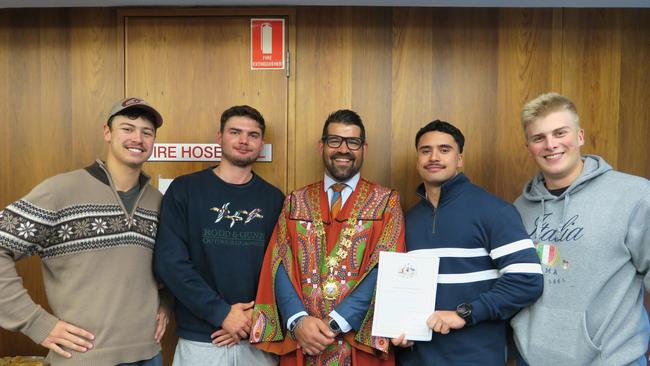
<point>107,133</point>
<point>581,137</point>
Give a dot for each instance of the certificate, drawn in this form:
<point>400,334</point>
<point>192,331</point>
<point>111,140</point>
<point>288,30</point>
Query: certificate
<point>406,295</point>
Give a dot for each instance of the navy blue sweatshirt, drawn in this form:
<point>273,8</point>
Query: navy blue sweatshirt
<point>486,260</point>
<point>210,246</point>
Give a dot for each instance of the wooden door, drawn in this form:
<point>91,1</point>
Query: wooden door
<point>192,67</point>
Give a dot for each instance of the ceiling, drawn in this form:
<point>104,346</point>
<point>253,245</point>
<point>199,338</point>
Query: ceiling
<point>428,3</point>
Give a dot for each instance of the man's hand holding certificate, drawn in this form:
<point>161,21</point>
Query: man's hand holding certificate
<point>406,295</point>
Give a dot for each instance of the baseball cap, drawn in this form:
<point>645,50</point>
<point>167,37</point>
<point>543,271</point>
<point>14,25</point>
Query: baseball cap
<point>132,102</point>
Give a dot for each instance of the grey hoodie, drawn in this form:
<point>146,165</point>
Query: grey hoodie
<point>594,245</point>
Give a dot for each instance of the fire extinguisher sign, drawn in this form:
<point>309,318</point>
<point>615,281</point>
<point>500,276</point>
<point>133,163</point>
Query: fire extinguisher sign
<point>267,44</point>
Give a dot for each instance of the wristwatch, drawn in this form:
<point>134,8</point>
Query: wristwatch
<point>294,324</point>
<point>334,326</point>
<point>464,311</point>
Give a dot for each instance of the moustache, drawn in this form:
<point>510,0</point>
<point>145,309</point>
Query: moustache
<point>434,165</point>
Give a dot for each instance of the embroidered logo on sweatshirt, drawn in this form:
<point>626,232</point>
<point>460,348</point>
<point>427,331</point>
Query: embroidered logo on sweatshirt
<point>549,254</point>
<point>243,216</point>
<point>552,263</point>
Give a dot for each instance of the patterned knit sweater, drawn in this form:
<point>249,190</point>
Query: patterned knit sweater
<point>97,265</point>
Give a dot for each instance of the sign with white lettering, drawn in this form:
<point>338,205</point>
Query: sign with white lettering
<point>267,44</point>
<point>197,152</point>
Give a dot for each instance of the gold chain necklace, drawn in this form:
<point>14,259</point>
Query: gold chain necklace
<point>331,287</point>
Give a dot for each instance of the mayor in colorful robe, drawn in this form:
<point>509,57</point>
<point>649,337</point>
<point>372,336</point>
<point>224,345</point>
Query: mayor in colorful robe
<point>315,299</point>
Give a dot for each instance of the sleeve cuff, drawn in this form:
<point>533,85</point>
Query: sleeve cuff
<point>343,324</point>
<point>219,315</point>
<point>296,316</point>
<point>480,312</point>
<point>166,300</point>
<point>41,327</point>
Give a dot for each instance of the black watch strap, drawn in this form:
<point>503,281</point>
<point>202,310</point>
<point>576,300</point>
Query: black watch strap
<point>464,311</point>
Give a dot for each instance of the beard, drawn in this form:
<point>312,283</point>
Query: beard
<point>236,161</point>
<point>342,173</point>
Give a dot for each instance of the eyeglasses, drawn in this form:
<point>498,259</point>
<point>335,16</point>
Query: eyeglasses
<point>335,141</point>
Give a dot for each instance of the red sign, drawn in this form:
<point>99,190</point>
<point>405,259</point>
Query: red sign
<point>267,44</point>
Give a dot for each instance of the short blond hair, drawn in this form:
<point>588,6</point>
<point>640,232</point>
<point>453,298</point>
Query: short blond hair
<point>544,105</point>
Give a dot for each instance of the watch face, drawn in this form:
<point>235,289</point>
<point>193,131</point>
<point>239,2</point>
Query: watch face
<point>464,310</point>
<point>334,326</point>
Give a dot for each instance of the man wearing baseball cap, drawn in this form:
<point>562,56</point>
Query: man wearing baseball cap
<point>94,229</point>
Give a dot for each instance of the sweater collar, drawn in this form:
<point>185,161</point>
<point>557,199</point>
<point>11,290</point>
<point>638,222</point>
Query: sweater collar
<point>100,172</point>
<point>449,190</point>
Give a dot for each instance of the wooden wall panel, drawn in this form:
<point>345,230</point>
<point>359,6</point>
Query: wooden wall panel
<point>324,65</point>
<point>525,71</point>
<point>5,31</point>
<point>37,115</point>
<point>371,86</point>
<point>634,120</point>
<point>412,93</point>
<point>96,79</point>
<point>591,64</point>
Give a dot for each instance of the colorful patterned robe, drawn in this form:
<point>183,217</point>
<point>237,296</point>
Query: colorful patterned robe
<point>295,244</point>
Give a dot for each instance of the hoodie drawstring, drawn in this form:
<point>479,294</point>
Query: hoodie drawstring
<point>558,228</point>
<point>540,224</point>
